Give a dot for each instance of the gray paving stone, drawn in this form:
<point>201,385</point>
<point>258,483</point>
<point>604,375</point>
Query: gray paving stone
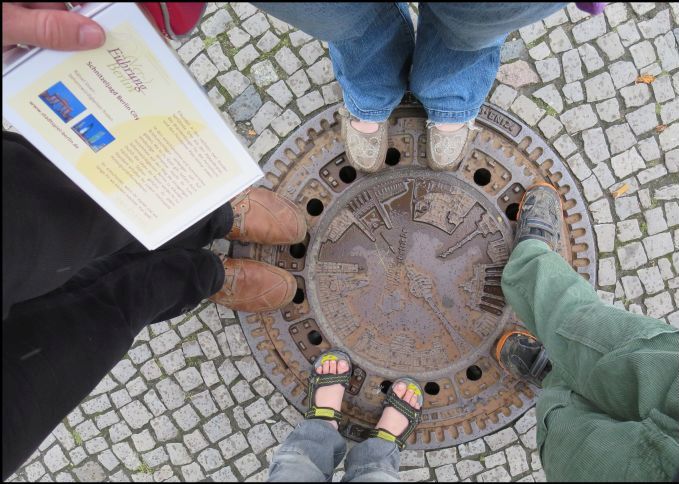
<point>643,54</point>
<point>321,72</point>
<point>578,118</point>
<point>136,387</point>
<point>437,458</point>
<point>557,18</point>
<point>605,234</point>
<point>632,256</point>
<point>498,474</point>
<point>191,349</point>
<point>222,397</point>
<point>210,459</point>
<point>595,145</point>
<point>559,41</point>
<point>237,342</point>
<point>628,33</point>
<point>217,428</point>
<point>494,460</point>
<point>632,286</point>
<point>127,456</point>
<point>657,25</point>
<point>608,110</point>
<point>527,110</point>
<point>636,95</point>
<point>247,464</point>
<point>268,42</point>
<point>616,13</point>
<point>264,73</point>
<point>501,439</point>
<point>564,145</point>
<point>550,126</point>
<point>670,137</point>
<point>191,49</point>
<point>658,245</point>
<point>216,54</point>
<point>623,73</point>
<point>233,445</point>
<point>242,392</point>
<point>589,29</point>
<point>195,441</point>
<point>512,50</point>
<point>178,454</point>
<point>659,306</point>
<point>620,138</point>
<point>551,96</point>
<point>532,32</point>
<point>189,327</point>
<point>163,474</point>
<point>627,162</point>
<point>139,354</point>
<point>106,420</point>
<point>651,279</point>
<point>86,430</point>
<point>34,471</point>
<point>246,104</point>
<point>310,102</point>
<point>539,52</point>
<point>263,144</point>
<point>599,87</point>
<point>572,65</point>
<point>650,174</point>
<point>591,58</point>
<point>150,371</point>
<point>648,148</point>
<point>238,37</point>
<point>203,69</point>
<point>298,38</point>
<point>573,92</point>
<point>246,56</point>
<point>96,405</point>
<point>216,24</point>
<point>76,416</point>
<point>611,45</point>
<point>170,393</point>
<point>446,473</point>
<point>503,96</point>
<point>662,89</point>
<point>256,25</point>
<point>189,378</point>
<point>164,343</point>
<point>186,417</point>
<point>666,46</point>
<point>120,398</point>
<point>625,207</point>
<point>332,93</point>
<point>123,371</point>
<point>604,175</point>
<point>243,9</point>
<point>90,472</point>
<point>548,69</point>
<point>669,112</point>
<point>118,432</point>
<point>260,438</point>
<point>473,448</point>
<point>467,468</point>
<point>55,459</point>
<point>192,472</point>
<point>172,361</point>
<point>607,272</point>
<point>414,475</point>
<point>136,414</point>
<point>592,189</point>
<point>204,403</point>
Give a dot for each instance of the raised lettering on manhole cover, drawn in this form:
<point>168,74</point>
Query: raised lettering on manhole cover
<point>402,269</point>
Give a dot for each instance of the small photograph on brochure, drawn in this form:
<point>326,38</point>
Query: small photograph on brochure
<point>62,101</point>
<point>92,132</point>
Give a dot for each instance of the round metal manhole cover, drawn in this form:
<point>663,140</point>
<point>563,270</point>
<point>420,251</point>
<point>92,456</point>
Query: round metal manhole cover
<point>402,269</point>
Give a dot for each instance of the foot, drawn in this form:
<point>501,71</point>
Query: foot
<point>394,421</point>
<point>264,217</point>
<point>331,396</point>
<point>447,144</point>
<point>365,142</point>
<point>523,356</point>
<point>540,215</point>
<point>254,286</point>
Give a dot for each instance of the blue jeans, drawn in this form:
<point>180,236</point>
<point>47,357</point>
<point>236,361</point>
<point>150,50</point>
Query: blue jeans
<point>313,450</point>
<point>450,68</point>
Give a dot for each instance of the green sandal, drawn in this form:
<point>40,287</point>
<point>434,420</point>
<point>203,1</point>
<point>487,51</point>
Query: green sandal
<point>317,381</point>
<point>414,416</point>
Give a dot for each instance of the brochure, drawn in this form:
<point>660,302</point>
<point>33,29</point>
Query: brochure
<point>129,125</point>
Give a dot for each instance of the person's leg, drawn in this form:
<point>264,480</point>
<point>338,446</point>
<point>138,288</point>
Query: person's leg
<point>57,347</point>
<point>626,364</point>
<point>51,229</point>
<point>373,460</point>
<point>309,454</point>
<point>370,45</point>
<point>457,54</point>
<point>579,443</point>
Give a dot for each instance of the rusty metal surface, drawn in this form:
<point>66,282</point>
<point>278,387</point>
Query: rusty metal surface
<point>402,270</point>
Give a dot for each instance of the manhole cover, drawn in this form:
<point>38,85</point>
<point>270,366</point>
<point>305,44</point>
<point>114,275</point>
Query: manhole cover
<point>402,269</point>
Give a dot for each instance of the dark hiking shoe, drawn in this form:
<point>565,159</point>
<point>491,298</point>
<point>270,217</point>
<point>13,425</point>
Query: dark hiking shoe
<point>540,215</point>
<point>523,356</point>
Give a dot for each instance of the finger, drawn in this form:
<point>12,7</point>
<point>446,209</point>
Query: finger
<point>52,29</point>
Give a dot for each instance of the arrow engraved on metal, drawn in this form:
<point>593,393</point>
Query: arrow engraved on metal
<point>484,227</point>
<point>420,287</point>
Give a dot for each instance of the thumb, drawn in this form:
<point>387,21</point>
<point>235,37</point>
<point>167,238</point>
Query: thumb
<point>51,29</point>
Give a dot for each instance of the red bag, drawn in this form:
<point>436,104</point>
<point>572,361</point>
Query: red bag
<point>175,20</point>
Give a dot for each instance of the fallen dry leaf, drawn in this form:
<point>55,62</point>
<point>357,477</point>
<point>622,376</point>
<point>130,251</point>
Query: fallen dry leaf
<point>660,128</point>
<point>252,132</point>
<point>621,190</point>
<point>646,79</point>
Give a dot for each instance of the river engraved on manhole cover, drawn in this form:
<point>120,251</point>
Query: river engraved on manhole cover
<point>402,269</point>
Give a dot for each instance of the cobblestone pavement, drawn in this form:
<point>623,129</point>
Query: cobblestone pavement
<point>189,401</point>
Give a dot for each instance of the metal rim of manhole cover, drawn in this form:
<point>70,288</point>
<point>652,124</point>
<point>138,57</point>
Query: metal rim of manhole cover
<point>402,269</point>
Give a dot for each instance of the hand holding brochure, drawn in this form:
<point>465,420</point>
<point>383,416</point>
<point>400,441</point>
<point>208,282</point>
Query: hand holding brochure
<point>129,125</point>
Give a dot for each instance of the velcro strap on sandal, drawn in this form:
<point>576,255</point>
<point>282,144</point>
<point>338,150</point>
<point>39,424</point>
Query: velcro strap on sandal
<point>394,401</point>
<point>330,379</point>
<point>388,436</point>
<point>324,413</point>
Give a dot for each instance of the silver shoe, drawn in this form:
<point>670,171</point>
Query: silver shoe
<point>445,150</point>
<point>365,151</point>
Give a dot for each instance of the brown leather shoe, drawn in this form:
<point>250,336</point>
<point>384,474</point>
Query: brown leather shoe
<point>254,286</point>
<point>264,217</point>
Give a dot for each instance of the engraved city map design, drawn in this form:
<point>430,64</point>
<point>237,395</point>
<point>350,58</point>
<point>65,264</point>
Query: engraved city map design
<point>408,273</point>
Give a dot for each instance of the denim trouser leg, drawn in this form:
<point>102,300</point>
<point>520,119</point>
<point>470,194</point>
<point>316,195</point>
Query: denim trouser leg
<point>457,54</point>
<point>370,45</point>
<point>373,460</point>
<point>309,454</point>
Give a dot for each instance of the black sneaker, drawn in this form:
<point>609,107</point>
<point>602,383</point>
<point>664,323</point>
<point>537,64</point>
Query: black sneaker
<point>523,356</point>
<point>540,215</point>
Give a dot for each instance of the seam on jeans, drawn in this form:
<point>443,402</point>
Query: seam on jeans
<point>409,25</point>
<point>466,112</point>
<point>367,111</point>
<point>358,470</point>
